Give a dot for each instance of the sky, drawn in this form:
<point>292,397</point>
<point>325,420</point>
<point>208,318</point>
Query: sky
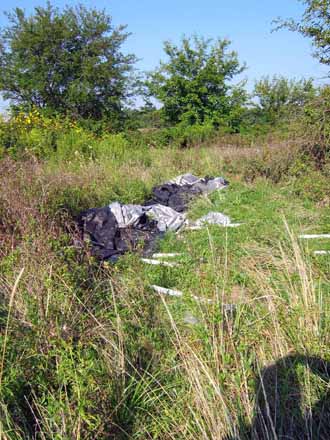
<point>247,23</point>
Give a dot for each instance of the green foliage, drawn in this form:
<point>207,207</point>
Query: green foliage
<point>181,136</point>
<point>33,134</point>
<point>195,84</point>
<point>145,118</point>
<point>279,98</point>
<point>314,24</point>
<point>316,118</point>
<point>67,61</point>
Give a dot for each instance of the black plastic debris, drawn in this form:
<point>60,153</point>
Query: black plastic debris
<point>179,192</point>
<point>116,229</point>
<point>108,241</point>
<point>175,196</point>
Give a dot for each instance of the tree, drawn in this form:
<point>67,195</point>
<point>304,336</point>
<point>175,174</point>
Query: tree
<point>279,97</point>
<point>195,84</point>
<point>314,24</point>
<point>66,61</point>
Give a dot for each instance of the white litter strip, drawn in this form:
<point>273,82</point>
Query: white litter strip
<point>198,228</point>
<point>310,236</point>
<point>226,308</point>
<point>158,262</point>
<point>169,255</point>
<point>321,252</point>
<point>165,291</point>
<point>203,300</point>
<point>178,293</point>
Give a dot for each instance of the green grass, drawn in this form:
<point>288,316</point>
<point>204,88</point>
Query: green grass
<point>93,352</point>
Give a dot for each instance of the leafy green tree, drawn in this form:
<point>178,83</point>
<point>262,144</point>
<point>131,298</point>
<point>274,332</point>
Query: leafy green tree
<point>195,85</point>
<point>146,117</point>
<point>279,97</point>
<point>66,61</point>
<point>314,24</point>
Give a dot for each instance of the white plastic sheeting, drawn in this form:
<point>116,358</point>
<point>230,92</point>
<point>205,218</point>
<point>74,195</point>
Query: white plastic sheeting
<point>129,215</point>
<point>126,215</point>
<point>166,217</point>
<point>206,185</point>
<point>213,218</point>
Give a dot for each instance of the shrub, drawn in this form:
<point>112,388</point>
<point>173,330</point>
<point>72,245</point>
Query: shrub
<point>315,127</point>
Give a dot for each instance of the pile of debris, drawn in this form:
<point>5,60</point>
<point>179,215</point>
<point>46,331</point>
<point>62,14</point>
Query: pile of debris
<point>116,229</point>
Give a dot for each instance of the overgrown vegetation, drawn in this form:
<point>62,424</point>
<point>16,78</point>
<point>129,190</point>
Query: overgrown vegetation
<point>92,352</point>
<point>88,350</point>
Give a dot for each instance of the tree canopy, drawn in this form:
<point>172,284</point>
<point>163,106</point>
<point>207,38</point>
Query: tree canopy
<point>195,83</point>
<point>278,96</point>
<point>314,24</point>
<point>66,61</point>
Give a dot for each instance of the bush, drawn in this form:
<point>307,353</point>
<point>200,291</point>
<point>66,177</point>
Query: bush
<point>179,136</point>
<point>315,127</point>
<point>33,133</point>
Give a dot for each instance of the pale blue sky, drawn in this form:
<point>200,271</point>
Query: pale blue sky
<point>247,23</point>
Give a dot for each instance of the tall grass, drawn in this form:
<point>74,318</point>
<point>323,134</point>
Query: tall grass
<point>89,351</point>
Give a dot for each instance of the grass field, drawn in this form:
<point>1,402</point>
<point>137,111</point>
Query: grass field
<point>90,351</point>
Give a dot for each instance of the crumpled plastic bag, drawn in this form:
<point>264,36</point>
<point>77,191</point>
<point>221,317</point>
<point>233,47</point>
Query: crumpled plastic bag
<point>205,184</point>
<point>213,218</point>
<point>129,215</point>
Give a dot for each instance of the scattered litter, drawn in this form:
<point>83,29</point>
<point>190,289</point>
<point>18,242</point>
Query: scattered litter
<point>115,229</point>
<point>321,252</point>
<point>198,228</point>
<point>203,300</point>
<point>108,241</point>
<point>205,185</point>
<point>130,215</point>
<point>177,193</point>
<point>171,292</point>
<point>190,319</point>
<point>126,215</point>
<point>214,218</point>
<point>166,255</point>
<point>167,219</point>
<point>229,310</point>
<point>159,262</point>
<point>310,236</point>
<point>164,291</point>
<point>185,179</point>
<point>228,313</point>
